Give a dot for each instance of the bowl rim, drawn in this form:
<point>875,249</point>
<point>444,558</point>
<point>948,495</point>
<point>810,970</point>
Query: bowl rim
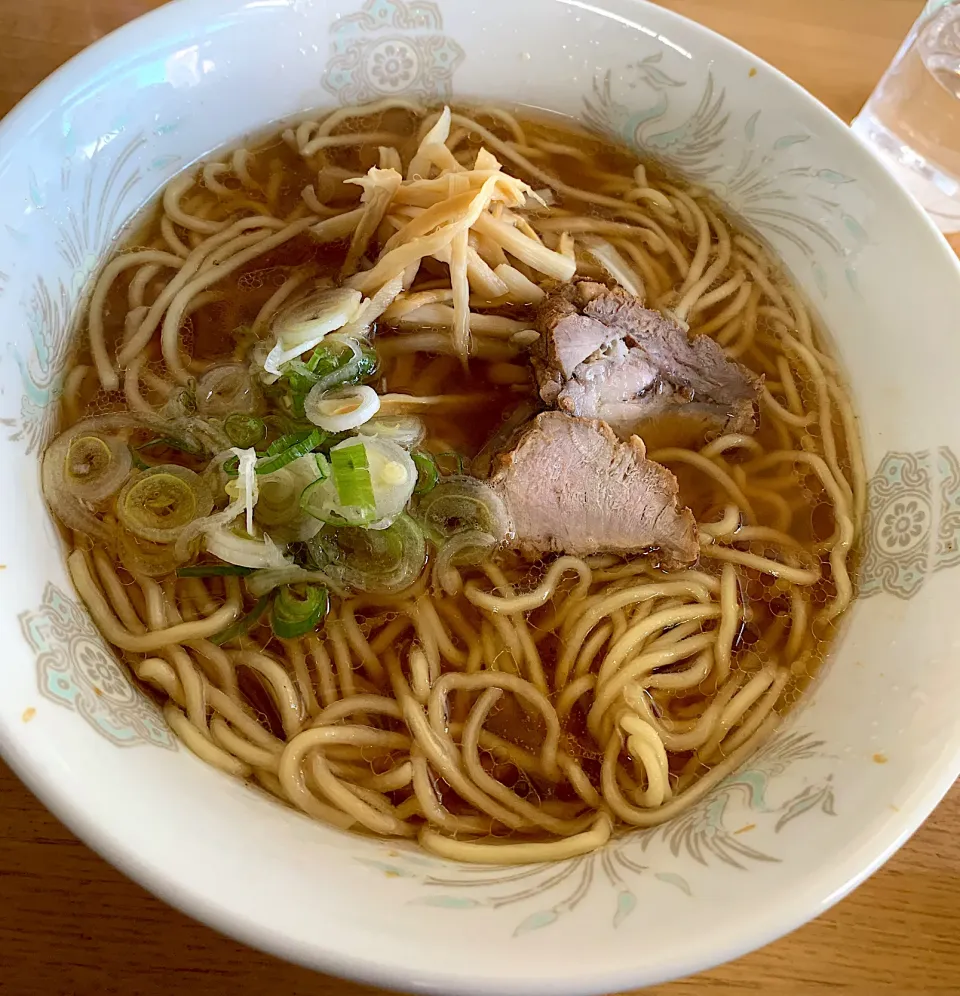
<point>771,920</point>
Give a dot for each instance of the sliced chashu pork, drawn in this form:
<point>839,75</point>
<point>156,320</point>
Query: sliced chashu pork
<point>601,354</point>
<point>571,486</point>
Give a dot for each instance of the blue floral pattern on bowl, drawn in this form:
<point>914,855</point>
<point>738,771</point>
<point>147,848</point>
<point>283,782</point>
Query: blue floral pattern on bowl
<point>913,522</point>
<point>111,183</point>
<point>715,830</point>
<point>75,669</point>
<point>391,49</point>
<point>763,184</point>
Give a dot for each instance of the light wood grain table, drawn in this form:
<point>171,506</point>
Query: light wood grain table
<point>70,924</point>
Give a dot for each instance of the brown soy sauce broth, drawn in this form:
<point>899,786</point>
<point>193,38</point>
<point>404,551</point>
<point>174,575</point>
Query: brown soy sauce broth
<point>219,330</point>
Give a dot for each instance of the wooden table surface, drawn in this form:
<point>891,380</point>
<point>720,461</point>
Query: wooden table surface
<point>70,924</point>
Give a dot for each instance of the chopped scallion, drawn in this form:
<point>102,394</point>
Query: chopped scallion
<point>277,456</point>
<point>244,431</point>
<point>351,475</point>
<point>427,472</point>
<point>298,609</point>
<point>374,560</point>
<point>287,440</point>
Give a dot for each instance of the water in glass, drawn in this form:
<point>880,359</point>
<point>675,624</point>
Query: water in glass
<point>913,117</point>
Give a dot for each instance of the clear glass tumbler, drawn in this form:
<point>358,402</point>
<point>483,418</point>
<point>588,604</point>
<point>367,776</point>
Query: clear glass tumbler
<point>912,118</point>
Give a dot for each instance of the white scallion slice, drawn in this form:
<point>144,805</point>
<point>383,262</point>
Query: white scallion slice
<point>245,488</point>
<point>304,326</point>
<point>342,409</point>
<point>244,551</point>
<point>226,390</point>
<point>261,583</point>
<point>404,430</point>
<point>392,478</point>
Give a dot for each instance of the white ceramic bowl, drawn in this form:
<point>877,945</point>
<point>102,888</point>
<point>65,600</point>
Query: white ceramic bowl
<point>854,769</point>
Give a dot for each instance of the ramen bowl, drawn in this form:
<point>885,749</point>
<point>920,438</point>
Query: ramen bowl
<point>852,770</point>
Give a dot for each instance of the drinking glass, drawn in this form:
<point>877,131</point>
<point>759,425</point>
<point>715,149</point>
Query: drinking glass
<point>912,118</point>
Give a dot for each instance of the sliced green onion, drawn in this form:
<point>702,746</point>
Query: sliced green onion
<point>311,498</point>
<point>156,504</point>
<point>369,362</point>
<point>405,430</point>
<point>242,625</point>
<point>213,571</point>
<point>278,503</point>
<point>341,361</point>
<point>181,403</point>
<point>298,609</point>
<point>225,389</point>
<point>201,436</point>
<point>95,467</point>
<point>285,441</point>
<point>342,409</point>
<point>298,403</point>
<point>307,555</point>
<point>466,548</point>
<point>336,362</point>
<point>318,499</point>
<point>428,474</point>
<point>458,504</point>
<point>299,379</point>
<point>87,456</point>
<point>323,361</point>
<point>301,326</point>
<point>379,561</point>
<point>351,475</point>
<point>384,471</point>
<point>331,356</point>
<point>160,502</point>
<point>277,457</point>
<point>231,466</point>
<point>234,546</point>
<point>140,556</point>
<point>296,370</point>
<point>271,578</point>
<point>244,430</point>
